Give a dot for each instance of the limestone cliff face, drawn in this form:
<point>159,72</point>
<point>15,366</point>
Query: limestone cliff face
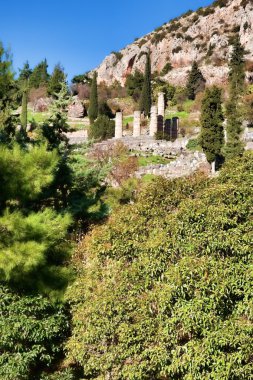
<point>204,35</point>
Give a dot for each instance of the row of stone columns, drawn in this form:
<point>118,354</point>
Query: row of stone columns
<point>157,115</point>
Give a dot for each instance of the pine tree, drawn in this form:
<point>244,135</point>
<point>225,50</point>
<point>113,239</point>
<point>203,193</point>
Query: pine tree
<point>57,124</point>
<point>146,94</point>
<point>234,146</point>
<point>55,82</point>
<point>212,134</point>
<point>196,81</point>
<point>39,76</point>
<point>93,108</point>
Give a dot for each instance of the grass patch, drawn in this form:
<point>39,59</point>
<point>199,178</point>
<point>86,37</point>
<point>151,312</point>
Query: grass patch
<point>38,117</point>
<point>152,160</point>
<point>193,145</point>
<point>128,120</point>
<point>148,178</point>
<point>179,114</point>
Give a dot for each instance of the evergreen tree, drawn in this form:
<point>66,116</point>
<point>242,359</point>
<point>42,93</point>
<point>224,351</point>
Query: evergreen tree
<point>23,81</point>
<point>134,84</point>
<point>234,146</point>
<point>103,128</point>
<point>39,76</point>
<point>93,107</point>
<point>55,82</point>
<point>146,94</point>
<point>57,124</point>
<point>8,97</point>
<point>212,135</point>
<point>195,82</point>
<point>237,68</point>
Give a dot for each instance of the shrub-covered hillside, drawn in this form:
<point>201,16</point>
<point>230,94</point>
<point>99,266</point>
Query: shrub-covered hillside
<point>165,289</point>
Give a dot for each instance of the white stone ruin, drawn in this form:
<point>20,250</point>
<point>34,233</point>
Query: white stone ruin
<point>137,124</point>
<point>161,104</point>
<point>153,121</point>
<point>119,125</point>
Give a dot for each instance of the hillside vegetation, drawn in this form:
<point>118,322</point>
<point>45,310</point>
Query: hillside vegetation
<point>165,286</point>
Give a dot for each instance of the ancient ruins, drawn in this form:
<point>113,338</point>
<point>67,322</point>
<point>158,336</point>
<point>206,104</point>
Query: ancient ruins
<point>158,125</point>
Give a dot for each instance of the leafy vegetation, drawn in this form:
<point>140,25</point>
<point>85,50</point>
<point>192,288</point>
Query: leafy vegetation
<point>165,289</point>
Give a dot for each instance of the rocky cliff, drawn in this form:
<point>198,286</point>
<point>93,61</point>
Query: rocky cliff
<point>204,35</point>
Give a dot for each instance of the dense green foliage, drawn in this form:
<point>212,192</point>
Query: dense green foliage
<point>32,333</point>
<point>212,135</point>
<point>134,84</point>
<point>39,76</point>
<point>7,96</point>
<point>55,82</point>
<point>166,286</point>
<point>56,125</point>
<point>33,245</point>
<point>93,107</point>
<point>234,146</point>
<point>196,81</point>
<point>103,128</point>
<point>146,93</point>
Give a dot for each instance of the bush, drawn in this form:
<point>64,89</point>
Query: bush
<point>165,291</point>
<point>103,128</point>
<point>33,330</point>
<point>177,50</point>
<point>167,67</point>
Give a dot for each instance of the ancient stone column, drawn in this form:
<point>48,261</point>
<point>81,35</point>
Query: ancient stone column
<point>119,125</point>
<point>161,104</point>
<point>137,124</point>
<point>175,128</point>
<point>153,121</point>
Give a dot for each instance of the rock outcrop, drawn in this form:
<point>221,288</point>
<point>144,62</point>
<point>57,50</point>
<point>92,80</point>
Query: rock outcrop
<point>204,35</point>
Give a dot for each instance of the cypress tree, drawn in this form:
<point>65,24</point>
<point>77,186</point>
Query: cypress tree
<point>93,108</point>
<point>196,81</point>
<point>146,94</point>
<point>23,81</point>
<point>212,135</point>
<point>234,146</point>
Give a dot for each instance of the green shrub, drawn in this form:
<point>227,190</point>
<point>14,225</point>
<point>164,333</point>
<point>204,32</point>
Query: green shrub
<point>165,290</point>
<point>33,330</point>
<point>177,50</point>
<point>103,128</point>
<point>166,68</point>
<point>193,144</point>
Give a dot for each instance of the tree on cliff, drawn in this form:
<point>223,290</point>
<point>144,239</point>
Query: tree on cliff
<point>93,108</point>
<point>146,94</point>
<point>234,146</point>
<point>212,135</point>
<point>196,81</point>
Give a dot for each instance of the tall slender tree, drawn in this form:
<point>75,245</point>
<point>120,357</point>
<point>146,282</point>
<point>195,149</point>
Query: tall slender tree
<point>234,146</point>
<point>7,96</point>
<point>212,134</point>
<point>23,81</point>
<point>93,108</point>
<point>146,94</point>
<point>196,81</point>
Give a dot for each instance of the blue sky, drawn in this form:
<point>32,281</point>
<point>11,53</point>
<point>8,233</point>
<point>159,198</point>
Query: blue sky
<point>80,33</point>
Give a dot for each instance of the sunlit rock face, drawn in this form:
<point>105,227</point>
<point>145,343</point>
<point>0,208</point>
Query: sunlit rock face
<point>204,36</point>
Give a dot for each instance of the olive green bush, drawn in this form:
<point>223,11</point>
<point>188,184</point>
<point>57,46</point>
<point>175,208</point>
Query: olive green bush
<point>165,290</point>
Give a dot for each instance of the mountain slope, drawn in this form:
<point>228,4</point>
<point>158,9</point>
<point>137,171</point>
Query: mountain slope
<point>204,35</point>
